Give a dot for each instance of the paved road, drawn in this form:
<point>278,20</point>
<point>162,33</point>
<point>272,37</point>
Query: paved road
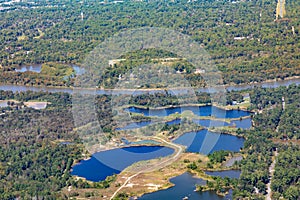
<point>179,150</point>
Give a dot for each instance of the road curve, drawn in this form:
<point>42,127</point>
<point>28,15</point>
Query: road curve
<point>157,166</point>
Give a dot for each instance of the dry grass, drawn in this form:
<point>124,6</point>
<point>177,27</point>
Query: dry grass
<point>150,181</point>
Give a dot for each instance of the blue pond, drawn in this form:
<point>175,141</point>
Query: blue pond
<point>226,173</point>
<point>38,68</point>
<point>206,142</point>
<point>184,187</point>
<point>107,163</point>
<point>243,124</point>
<point>197,110</point>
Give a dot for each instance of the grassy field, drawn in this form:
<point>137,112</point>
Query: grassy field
<point>57,69</point>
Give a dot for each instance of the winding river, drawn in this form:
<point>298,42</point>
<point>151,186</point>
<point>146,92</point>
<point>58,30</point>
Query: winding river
<point>21,88</point>
<point>103,164</point>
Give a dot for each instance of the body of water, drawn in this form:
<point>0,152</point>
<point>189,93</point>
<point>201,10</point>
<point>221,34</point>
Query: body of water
<point>243,124</point>
<point>38,68</point>
<point>107,163</point>
<point>226,173</point>
<point>31,68</point>
<point>19,88</point>
<point>185,185</point>
<point>206,142</point>
<point>197,110</point>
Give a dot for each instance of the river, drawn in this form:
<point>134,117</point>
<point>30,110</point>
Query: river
<point>21,88</point>
<point>103,164</point>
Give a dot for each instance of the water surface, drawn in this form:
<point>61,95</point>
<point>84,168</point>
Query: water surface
<point>243,124</point>
<point>38,68</point>
<point>206,142</point>
<point>226,173</point>
<point>20,88</point>
<point>197,110</point>
<point>185,185</point>
<point>107,163</point>
<point>31,68</point>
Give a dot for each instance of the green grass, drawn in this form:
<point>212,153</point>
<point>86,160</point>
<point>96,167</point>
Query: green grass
<point>57,69</point>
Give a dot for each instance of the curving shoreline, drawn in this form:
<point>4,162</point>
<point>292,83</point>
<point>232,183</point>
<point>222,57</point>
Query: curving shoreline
<point>114,91</point>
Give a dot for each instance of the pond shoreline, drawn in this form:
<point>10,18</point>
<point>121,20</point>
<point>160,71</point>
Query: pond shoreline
<point>187,105</point>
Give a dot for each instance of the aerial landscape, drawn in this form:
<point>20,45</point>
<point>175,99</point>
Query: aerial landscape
<point>149,100</point>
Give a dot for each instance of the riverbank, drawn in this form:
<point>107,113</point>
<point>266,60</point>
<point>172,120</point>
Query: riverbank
<point>116,91</point>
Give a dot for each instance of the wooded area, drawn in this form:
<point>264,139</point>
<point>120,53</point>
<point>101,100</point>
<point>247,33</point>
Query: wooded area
<point>242,38</point>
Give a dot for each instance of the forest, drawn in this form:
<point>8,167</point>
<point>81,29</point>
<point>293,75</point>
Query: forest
<point>272,124</point>
<point>34,157</point>
<point>39,147</point>
<point>243,40</point>
<point>282,122</point>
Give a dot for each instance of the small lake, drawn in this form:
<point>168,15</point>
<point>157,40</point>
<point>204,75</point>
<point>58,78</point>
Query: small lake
<point>226,173</point>
<point>38,68</point>
<point>243,124</point>
<point>31,68</point>
<point>107,163</point>
<point>197,110</point>
<point>185,185</point>
<point>206,142</point>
